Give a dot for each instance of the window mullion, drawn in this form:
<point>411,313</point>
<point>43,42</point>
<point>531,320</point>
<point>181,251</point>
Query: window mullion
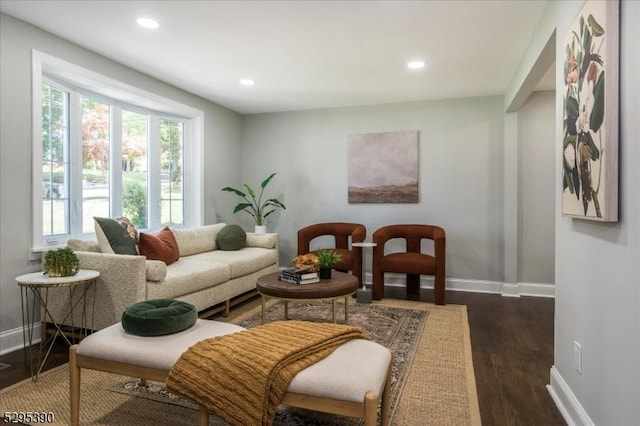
<point>154,173</point>
<point>75,164</point>
<point>115,161</point>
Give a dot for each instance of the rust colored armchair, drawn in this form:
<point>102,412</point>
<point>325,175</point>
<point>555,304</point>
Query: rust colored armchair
<point>342,232</point>
<point>412,262</point>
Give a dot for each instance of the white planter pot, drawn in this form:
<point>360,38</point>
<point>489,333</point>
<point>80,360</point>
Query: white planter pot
<point>260,229</point>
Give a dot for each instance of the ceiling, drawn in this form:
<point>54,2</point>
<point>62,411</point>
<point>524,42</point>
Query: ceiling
<point>304,54</point>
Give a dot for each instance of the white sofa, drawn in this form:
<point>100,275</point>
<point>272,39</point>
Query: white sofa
<point>203,276</point>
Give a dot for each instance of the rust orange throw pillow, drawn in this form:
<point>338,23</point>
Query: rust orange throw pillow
<point>161,246</point>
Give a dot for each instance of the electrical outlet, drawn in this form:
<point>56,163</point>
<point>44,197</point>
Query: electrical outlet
<point>577,357</point>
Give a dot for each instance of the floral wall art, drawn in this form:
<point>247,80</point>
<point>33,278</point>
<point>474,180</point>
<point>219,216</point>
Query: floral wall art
<point>383,167</point>
<point>590,125</point>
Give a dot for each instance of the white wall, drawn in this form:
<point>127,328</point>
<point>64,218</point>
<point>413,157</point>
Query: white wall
<point>598,264</point>
<point>17,39</point>
<point>536,200</point>
<point>460,161</point>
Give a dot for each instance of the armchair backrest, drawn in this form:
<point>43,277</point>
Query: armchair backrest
<point>412,234</point>
<point>341,231</point>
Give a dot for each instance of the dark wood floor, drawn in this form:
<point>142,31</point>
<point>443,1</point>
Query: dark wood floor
<point>512,343</point>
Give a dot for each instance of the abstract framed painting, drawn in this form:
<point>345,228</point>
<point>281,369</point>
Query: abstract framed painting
<point>590,117</point>
<point>383,167</point>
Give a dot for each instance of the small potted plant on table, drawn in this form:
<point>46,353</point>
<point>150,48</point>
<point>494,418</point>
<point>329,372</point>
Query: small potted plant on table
<point>327,258</point>
<point>62,262</point>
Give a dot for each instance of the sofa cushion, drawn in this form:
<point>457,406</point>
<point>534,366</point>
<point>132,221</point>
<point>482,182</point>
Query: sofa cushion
<point>116,235</point>
<point>161,246</point>
<point>231,238</point>
<point>187,276</point>
<point>241,262</point>
<point>197,240</point>
<point>262,240</point>
<point>158,317</point>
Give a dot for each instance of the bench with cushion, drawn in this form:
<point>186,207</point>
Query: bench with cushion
<point>352,381</point>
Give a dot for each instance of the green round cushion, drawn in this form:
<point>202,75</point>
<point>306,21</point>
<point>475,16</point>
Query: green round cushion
<point>231,237</point>
<point>158,317</point>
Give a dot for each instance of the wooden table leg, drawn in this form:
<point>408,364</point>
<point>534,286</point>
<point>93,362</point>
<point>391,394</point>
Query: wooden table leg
<point>286,309</point>
<point>263,306</point>
<point>346,309</point>
<point>334,309</point>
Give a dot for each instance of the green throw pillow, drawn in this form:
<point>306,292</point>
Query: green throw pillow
<point>231,237</point>
<point>158,317</point>
<point>117,236</point>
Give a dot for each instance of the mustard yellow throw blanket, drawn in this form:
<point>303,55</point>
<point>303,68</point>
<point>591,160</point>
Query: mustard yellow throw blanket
<point>242,377</point>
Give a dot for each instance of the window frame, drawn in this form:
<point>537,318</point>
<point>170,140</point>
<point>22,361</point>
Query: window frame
<point>78,82</point>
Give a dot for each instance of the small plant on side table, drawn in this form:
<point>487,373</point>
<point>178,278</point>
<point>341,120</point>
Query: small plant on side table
<point>61,262</point>
<point>327,259</point>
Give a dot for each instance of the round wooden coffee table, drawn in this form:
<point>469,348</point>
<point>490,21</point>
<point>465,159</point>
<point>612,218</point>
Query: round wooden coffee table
<point>340,285</point>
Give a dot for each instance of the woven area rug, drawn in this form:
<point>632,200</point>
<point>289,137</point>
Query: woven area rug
<point>433,381</point>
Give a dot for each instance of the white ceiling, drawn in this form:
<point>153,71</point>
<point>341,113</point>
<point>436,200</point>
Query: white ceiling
<point>304,54</point>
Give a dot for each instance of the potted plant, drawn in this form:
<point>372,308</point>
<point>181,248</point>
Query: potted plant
<point>61,262</point>
<point>327,258</point>
<point>255,206</point>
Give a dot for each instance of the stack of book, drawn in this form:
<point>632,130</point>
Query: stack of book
<point>290,275</point>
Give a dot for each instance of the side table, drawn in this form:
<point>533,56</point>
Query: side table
<point>363,295</point>
<point>39,284</point>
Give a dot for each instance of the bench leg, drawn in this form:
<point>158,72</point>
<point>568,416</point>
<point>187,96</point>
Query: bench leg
<point>203,416</point>
<point>74,386</point>
<point>370,409</point>
<point>386,400</point>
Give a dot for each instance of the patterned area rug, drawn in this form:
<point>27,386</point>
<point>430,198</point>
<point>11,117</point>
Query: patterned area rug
<point>396,328</point>
<point>438,388</point>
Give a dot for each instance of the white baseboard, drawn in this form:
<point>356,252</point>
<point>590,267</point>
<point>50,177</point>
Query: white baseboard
<point>570,408</point>
<point>12,340</point>
<point>476,286</point>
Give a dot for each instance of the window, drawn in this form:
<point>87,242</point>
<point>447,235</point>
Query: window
<point>101,156</point>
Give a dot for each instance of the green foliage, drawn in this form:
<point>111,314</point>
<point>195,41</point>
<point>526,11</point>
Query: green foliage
<point>134,203</point>
<point>584,112</point>
<point>327,257</point>
<point>254,205</point>
<point>62,262</point>
<point>597,114</point>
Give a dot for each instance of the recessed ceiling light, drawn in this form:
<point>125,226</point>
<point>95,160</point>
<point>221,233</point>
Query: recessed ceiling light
<point>147,23</point>
<point>414,65</point>
<point>247,82</point>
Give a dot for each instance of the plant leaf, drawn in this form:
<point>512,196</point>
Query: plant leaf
<point>587,147</point>
<point>250,190</point>
<point>240,193</point>
<point>597,113</point>
<point>242,206</point>
<point>572,111</point>
<point>267,180</point>
<point>575,178</point>
<point>586,41</point>
<point>274,202</point>
<point>568,139</point>
<point>596,29</point>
